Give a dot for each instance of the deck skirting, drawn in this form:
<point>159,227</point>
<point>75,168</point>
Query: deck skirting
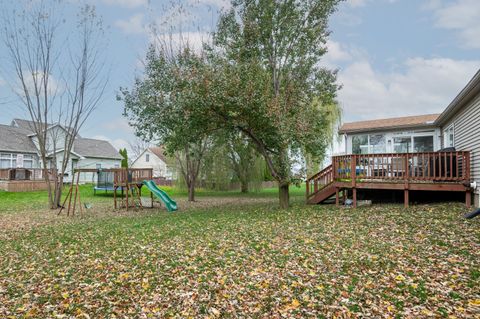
<point>23,186</point>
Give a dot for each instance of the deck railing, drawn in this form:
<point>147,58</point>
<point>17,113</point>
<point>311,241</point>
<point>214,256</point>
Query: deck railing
<point>132,175</point>
<point>450,167</point>
<point>29,174</point>
<point>427,166</point>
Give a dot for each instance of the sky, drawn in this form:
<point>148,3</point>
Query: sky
<point>394,57</point>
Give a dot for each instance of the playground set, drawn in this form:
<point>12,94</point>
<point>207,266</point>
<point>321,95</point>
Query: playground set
<point>128,180</point>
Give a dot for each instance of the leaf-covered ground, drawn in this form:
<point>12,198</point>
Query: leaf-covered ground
<point>248,261</point>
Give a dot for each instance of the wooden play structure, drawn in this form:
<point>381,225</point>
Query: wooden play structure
<point>128,181</point>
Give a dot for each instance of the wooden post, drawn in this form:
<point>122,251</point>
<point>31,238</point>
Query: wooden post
<point>337,197</point>
<point>468,198</point>
<point>353,174</point>
<point>307,189</point>
<point>354,197</point>
<point>353,168</point>
<point>115,196</point>
<point>128,186</point>
<point>344,195</point>
<point>70,199</point>
<point>69,194</point>
<point>151,200</point>
<point>406,197</point>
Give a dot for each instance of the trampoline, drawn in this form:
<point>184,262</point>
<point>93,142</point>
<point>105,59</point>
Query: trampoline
<point>104,182</point>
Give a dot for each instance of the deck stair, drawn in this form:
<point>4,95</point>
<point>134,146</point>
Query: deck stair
<point>320,186</point>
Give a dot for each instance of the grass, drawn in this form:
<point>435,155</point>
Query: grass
<point>247,259</point>
<point>15,202</point>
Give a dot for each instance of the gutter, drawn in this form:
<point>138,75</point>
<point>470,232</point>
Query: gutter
<point>389,128</point>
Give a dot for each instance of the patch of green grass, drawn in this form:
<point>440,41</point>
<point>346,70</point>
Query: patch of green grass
<point>17,202</point>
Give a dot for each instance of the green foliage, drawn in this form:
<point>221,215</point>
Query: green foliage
<point>261,78</point>
<point>268,81</point>
<point>165,104</point>
<point>124,154</point>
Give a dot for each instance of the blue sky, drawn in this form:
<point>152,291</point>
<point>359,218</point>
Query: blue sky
<point>395,57</point>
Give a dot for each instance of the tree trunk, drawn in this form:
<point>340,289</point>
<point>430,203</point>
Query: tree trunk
<point>244,186</point>
<point>283,195</point>
<point>191,191</point>
<point>58,191</point>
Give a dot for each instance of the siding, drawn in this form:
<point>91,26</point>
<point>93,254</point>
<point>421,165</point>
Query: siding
<point>467,134</point>
<point>91,162</point>
<point>159,167</point>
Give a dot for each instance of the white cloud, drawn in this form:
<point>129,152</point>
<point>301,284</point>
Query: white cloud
<point>221,4</point>
<point>362,3</point>
<point>357,3</point>
<point>423,86</point>
<point>337,51</point>
<point>118,124</point>
<point>126,3</point>
<point>462,16</point>
<point>134,25</point>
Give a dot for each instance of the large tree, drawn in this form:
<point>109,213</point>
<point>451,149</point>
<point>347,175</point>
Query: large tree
<point>268,81</point>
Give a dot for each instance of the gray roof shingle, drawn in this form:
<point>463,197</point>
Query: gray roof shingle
<point>88,147</point>
<point>26,125</point>
<point>16,139</point>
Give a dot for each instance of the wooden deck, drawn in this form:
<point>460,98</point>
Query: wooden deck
<point>24,179</point>
<point>429,171</point>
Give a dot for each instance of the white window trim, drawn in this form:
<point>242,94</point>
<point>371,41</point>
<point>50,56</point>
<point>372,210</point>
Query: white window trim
<point>450,127</point>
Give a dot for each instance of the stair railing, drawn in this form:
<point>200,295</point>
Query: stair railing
<point>319,181</point>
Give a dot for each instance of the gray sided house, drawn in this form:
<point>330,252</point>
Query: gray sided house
<point>458,126</point>
<point>19,149</point>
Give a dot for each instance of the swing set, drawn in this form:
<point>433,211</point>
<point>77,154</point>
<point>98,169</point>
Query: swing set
<point>128,180</point>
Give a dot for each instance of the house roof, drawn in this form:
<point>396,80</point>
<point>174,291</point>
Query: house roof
<point>15,139</point>
<point>88,147</point>
<point>390,123</point>
<point>25,124</point>
<point>29,126</point>
<point>159,152</point>
<point>471,90</point>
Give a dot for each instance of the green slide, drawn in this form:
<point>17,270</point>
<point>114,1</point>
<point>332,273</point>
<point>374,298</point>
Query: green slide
<point>169,203</point>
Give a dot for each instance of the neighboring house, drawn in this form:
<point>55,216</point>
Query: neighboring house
<point>458,126</point>
<point>19,149</point>
<point>154,157</point>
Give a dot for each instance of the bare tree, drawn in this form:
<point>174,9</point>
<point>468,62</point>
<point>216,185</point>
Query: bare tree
<point>189,161</point>
<point>57,76</point>
<point>138,146</point>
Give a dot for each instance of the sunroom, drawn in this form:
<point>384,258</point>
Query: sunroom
<point>411,134</point>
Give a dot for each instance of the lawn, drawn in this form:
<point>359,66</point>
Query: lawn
<point>16,202</point>
<point>246,258</point>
